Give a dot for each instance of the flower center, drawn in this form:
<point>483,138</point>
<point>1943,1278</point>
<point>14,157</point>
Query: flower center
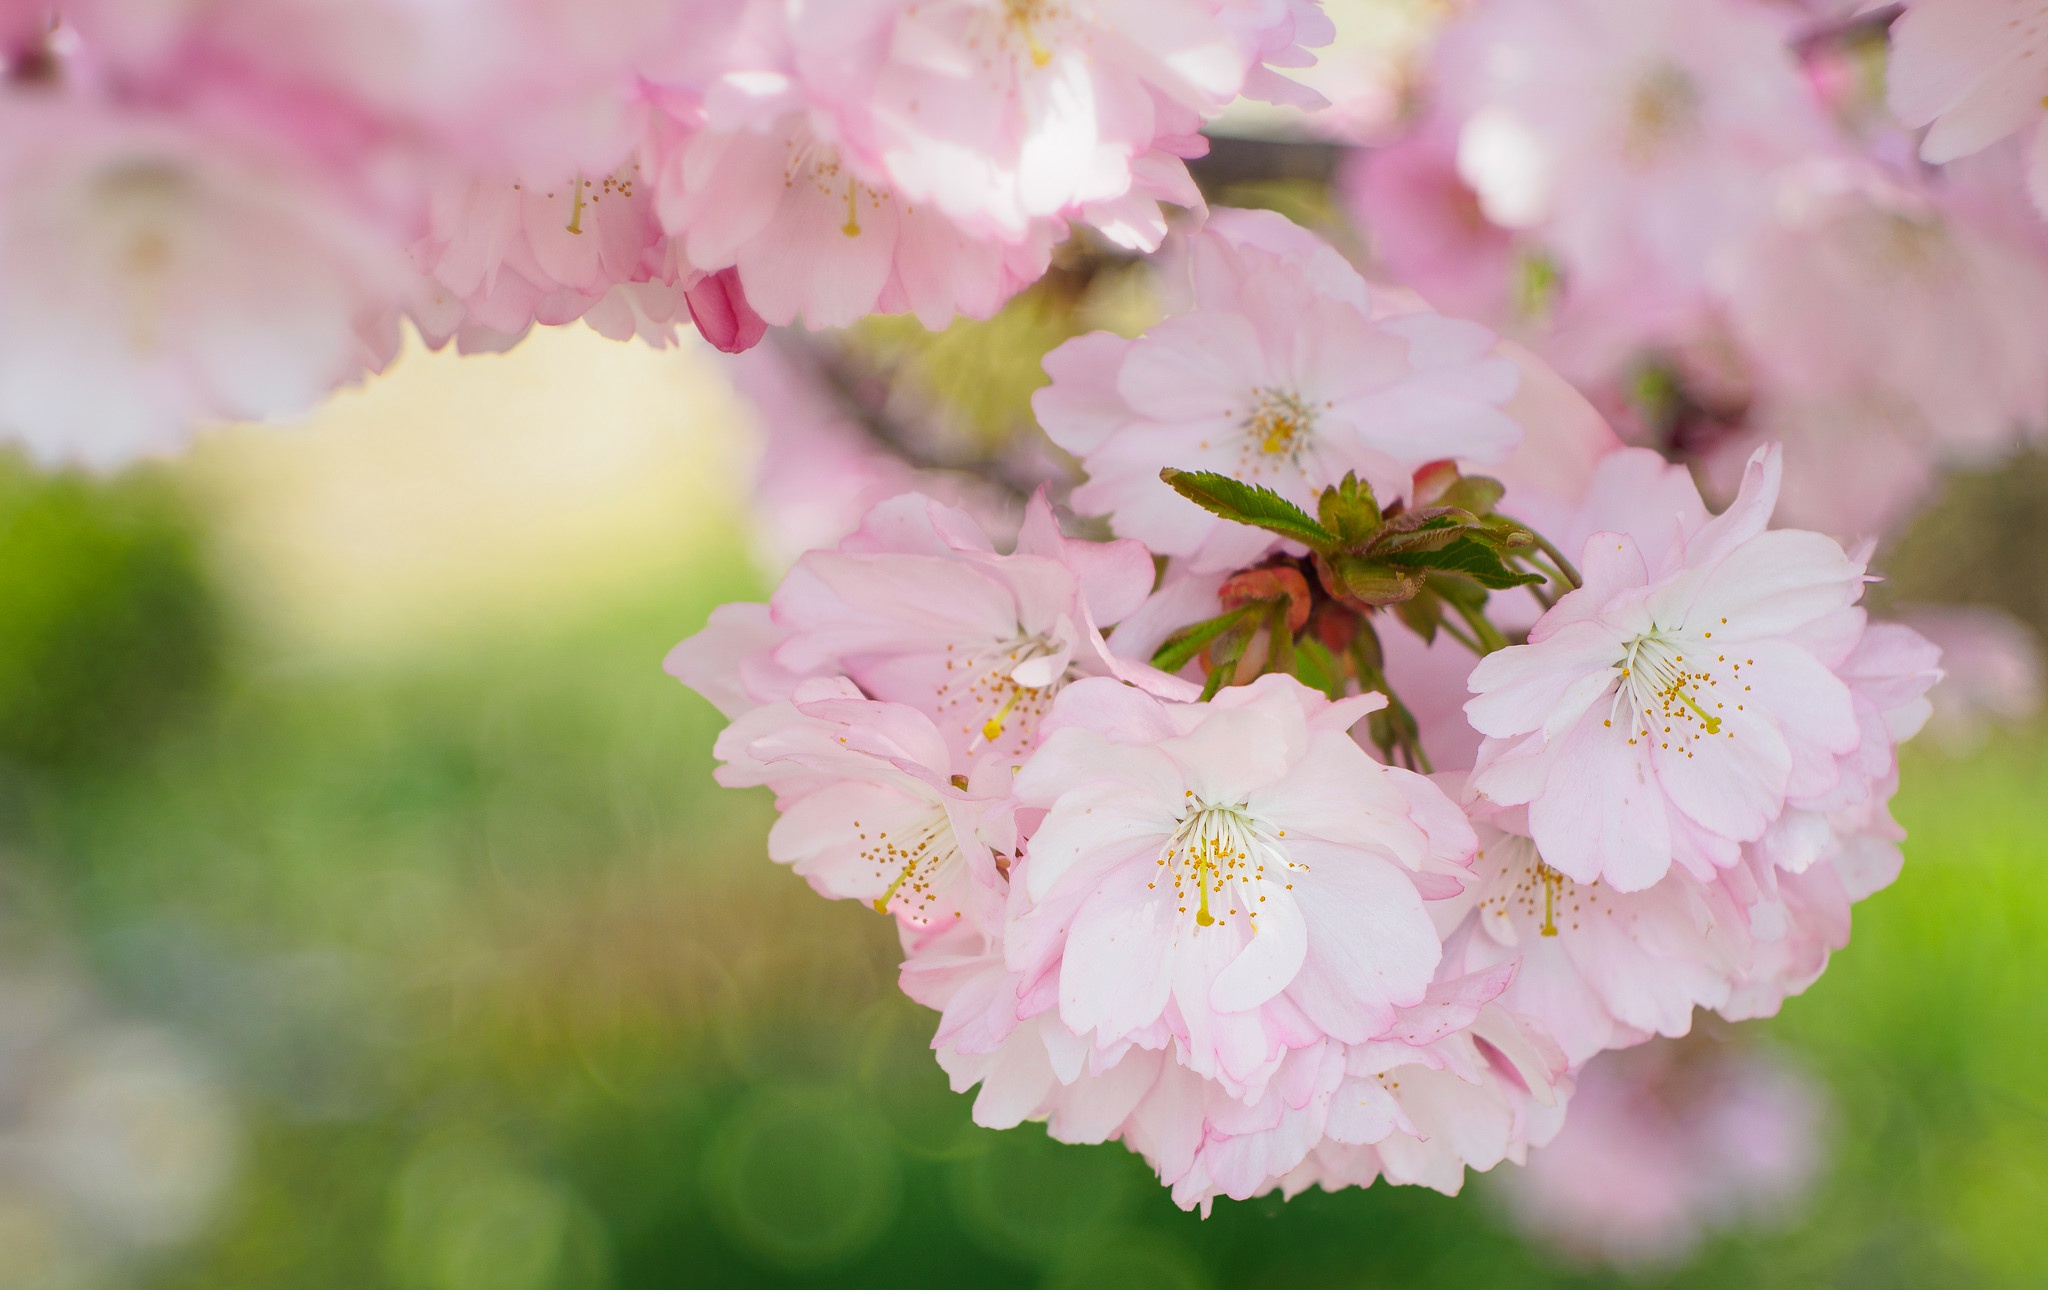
<point>1533,890</point>
<point>982,688</point>
<point>1663,109</point>
<point>920,857</point>
<point>1027,18</point>
<point>1672,684</point>
<point>1277,429</point>
<point>1220,857</point>
<point>818,164</point>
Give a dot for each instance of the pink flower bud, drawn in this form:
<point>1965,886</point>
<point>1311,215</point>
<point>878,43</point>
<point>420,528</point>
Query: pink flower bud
<point>718,305</point>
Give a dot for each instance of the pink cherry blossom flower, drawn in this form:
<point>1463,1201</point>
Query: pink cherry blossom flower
<point>1889,672</point>
<point>1973,69</point>
<point>873,806</point>
<point>1422,1113</point>
<point>1666,1143</point>
<point>1599,968</point>
<point>1667,713</point>
<point>1449,1087</point>
<point>918,608</point>
<point>1028,1067</point>
<point>503,255</point>
<point>158,275</point>
<point>754,182</point>
<point>1001,115</point>
<point>1279,376</point>
<point>1457,1082</point>
<point>1236,878</point>
<point>732,661</point>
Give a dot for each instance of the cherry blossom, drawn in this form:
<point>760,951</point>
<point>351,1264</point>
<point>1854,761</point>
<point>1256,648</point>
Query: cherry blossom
<point>1422,1114</point>
<point>1236,878</point>
<point>917,608</point>
<point>753,183</point>
<point>1666,714</point>
<point>1279,375</point>
<point>873,805</point>
<point>1599,968</point>
<point>503,255</point>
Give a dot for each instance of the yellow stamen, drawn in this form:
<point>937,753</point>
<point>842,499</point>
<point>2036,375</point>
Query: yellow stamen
<point>992,729</point>
<point>1713,724</point>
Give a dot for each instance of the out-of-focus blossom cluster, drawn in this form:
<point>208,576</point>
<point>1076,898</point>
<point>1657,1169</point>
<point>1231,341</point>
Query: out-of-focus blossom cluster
<point>1667,1143</point>
<point>220,209</point>
<point>120,1145</point>
<point>1322,825</point>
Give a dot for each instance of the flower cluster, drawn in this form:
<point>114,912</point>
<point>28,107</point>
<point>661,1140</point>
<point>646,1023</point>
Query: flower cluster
<point>224,208</point>
<point>1156,817</point>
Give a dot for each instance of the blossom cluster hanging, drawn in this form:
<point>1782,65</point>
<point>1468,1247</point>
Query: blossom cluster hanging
<point>1155,817</point>
<point>221,209</point>
<point>1443,709</point>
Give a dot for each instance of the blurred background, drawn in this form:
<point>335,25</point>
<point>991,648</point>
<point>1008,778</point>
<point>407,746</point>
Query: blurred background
<point>371,918</point>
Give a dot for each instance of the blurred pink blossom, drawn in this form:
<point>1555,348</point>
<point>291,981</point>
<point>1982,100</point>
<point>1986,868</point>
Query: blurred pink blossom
<point>1635,138</point>
<point>157,277</point>
<point>1991,665</point>
<point>1667,1143</point>
<point>1974,70</point>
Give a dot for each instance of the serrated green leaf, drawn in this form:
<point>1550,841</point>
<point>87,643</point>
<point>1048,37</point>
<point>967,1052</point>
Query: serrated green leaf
<point>1433,536</point>
<point>1173,653</point>
<point>1243,503</point>
<point>1471,556</point>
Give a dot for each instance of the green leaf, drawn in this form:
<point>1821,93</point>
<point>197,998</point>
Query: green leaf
<point>1374,583</point>
<point>1316,668</point>
<point>1431,536</point>
<point>1475,493</point>
<point>1251,504</point>
<point>1229,649</point>
<point>1173,654</point>
<point>1473,557</point>
<point>1350,511</point>
<point>1280,647</point>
